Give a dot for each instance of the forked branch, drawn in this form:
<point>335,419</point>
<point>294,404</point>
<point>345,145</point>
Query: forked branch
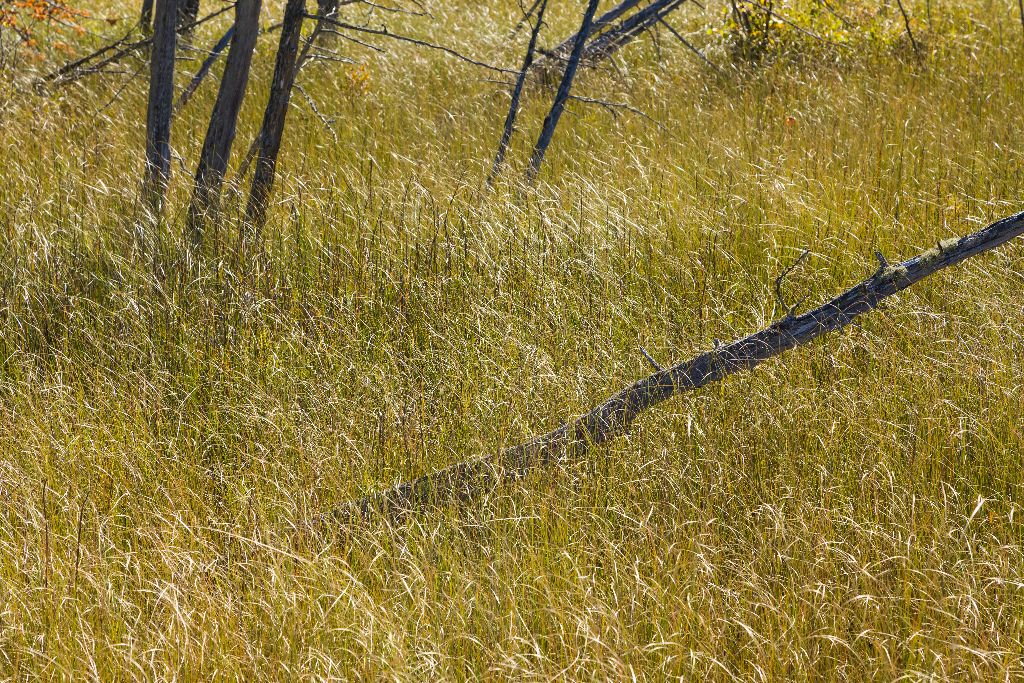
<point>470,479</point>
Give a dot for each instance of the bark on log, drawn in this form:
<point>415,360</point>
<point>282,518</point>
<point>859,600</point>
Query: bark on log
<point>517,91</point>
<point>158,114</point>
<point>213,160</point>
<point>468,480</point>
<point>274,118</point>
<point>551,120</point>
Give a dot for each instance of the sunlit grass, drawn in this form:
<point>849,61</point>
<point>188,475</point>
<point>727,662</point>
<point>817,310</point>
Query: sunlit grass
<point>849,511</point>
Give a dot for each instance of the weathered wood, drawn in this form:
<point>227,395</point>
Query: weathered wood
<point>326,9</point>
<point>467,480</point>
<point>213,160</point>
<point>158,112</point>
<point>272,128</point>
<point>564,88</point>
<point>517,91</point>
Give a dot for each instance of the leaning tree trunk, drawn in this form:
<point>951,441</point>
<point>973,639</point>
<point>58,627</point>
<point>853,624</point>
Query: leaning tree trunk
<point>274,118</point>
<point>158,114</point>
<point>213,160</point>
<point>551,120</point>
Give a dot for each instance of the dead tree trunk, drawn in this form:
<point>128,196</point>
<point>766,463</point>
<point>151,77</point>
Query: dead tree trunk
<point>470,479</point>
<point>213,160</point>
<point>551,120</point>
<point>158,114</point>
<point>517,91</point>
<point>274,118</point>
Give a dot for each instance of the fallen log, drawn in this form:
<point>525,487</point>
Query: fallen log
<point>470,479</point>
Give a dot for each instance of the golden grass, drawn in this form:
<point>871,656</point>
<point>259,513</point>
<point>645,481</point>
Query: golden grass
<point>846,512</point>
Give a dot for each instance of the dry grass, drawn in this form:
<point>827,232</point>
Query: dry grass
<point>850,511</point>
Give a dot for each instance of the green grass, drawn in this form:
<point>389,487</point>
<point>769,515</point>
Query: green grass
<point>849,511</point>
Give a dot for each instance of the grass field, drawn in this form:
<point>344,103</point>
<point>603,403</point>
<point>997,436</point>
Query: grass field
<point>850,511</point>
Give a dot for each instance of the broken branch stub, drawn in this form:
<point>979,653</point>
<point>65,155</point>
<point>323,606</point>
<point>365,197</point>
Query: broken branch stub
<point>470,479</point>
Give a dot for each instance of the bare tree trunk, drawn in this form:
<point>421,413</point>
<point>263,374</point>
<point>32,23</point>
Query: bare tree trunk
<point>158,115</point>
<point>470,479</point>
<point>213,160</point>
<point>513,109</point>
<point>274,118</point>
<point>188,12</point>
<point>551,120</point>
<point>146,16</point>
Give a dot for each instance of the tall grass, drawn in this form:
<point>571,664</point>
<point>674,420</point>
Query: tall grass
<point>849,511</point>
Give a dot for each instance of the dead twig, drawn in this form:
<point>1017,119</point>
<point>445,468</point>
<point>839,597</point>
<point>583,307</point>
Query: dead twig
<point>910,34</point>
<point>384,32</point>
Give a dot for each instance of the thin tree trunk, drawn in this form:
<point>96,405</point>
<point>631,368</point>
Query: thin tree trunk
<point>1020,5</point>
<point>158,114</point>
<point>274,118</point>
<point>551,120</point>
<point>513,109</point>
<point>146,16</point>
<point>213,160</point>
<point>470,479</point>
